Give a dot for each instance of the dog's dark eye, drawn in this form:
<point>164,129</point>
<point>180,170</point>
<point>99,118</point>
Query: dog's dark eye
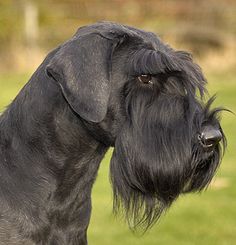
<point>146,79</point>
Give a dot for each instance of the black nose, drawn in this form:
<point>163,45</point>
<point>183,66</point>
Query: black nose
<point>210,137</point>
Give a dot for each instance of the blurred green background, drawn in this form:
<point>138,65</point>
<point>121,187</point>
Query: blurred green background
<point>29,29</point>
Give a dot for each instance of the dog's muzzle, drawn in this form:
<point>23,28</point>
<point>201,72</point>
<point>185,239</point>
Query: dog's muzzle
<point>210,137</point>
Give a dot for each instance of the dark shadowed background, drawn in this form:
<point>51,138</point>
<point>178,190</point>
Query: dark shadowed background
<point>29,29</point>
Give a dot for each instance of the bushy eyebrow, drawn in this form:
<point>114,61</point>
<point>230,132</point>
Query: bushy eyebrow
<point>154,62</point>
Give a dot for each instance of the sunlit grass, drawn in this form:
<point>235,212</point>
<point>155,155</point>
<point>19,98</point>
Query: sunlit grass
<point>201,219</point>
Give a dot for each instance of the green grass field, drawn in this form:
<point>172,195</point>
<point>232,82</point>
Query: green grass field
<point>206,218</point>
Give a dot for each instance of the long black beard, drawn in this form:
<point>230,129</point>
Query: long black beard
<point>154,160</point>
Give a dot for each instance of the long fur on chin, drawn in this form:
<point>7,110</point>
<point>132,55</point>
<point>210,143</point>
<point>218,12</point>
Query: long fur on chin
<point>156,155</point>
<point>151,174</point>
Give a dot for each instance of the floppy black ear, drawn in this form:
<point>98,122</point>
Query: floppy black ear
<point>81,67</point>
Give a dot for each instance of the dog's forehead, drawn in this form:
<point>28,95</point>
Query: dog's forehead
<point>144,53</point>
<point>112,30</point>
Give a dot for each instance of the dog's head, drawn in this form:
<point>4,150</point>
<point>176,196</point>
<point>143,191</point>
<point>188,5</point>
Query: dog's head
<point>139,95</point>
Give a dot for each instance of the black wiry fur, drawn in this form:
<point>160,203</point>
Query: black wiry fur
<point>86,96</point>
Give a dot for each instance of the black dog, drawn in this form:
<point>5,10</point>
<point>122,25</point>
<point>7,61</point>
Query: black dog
<point>110,85</point>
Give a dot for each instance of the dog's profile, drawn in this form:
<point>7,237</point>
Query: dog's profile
<point>109,85</point>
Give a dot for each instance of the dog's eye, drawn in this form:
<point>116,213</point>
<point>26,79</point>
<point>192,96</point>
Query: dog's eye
<point>146,79</point>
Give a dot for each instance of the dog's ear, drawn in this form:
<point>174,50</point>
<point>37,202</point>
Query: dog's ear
<point>81,66</point>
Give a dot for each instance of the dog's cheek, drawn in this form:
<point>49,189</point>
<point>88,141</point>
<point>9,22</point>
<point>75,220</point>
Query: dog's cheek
<point>143,186</point>
<point>134,167</point>
<point>131,196</point>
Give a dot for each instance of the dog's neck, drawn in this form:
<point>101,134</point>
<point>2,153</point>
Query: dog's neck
<point>56,158</point>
